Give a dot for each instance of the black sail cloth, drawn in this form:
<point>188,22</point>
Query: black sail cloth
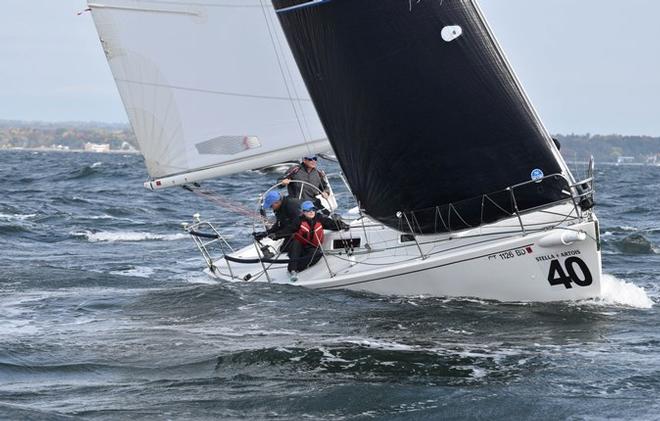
<point>421,123</point>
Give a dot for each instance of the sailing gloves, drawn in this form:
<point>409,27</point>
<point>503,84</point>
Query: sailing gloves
<point>263,234</point>
<point>260,235</point>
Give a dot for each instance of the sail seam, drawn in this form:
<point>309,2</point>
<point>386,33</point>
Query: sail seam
<point>142,9</point>
<point>174,3</point>
<point>209,91</point>
<point>310,3</point>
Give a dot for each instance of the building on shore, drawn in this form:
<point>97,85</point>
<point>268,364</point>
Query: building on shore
<point>625,160</point>
<point>97,147</point>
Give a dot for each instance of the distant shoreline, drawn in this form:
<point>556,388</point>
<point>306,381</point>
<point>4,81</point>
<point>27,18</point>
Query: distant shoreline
<point>112,151</point>
<point>73,137</point>
<point>135,152</point>
<point>120,139</point>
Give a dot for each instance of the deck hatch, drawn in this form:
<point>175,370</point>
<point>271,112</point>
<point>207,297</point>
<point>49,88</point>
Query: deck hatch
<point>352,243</point>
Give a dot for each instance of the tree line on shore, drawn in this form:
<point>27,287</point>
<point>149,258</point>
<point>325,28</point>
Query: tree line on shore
<point>16,134</point>
<point>608,148</point>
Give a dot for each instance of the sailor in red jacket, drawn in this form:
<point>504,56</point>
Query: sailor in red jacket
<point>306,249</point>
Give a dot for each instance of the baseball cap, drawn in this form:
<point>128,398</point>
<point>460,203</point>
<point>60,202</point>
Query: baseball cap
<point>307,206</point>
<point>272,197</point>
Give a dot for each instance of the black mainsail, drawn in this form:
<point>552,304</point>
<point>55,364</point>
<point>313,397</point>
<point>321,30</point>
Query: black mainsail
<point>422,110</point>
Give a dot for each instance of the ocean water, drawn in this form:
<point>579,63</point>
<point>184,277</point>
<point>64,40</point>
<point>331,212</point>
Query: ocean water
<point>105,313</point>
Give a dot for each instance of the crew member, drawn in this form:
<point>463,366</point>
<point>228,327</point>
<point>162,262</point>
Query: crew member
<point>308,172</point>
<point>306,249</point>
<point>287,213</point>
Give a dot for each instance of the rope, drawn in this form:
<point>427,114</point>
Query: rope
<point>224,202</point>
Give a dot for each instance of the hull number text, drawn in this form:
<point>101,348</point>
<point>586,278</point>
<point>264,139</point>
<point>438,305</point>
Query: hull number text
<point>575,271</point>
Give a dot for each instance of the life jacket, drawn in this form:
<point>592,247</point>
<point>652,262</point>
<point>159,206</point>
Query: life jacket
<point>309,236</point>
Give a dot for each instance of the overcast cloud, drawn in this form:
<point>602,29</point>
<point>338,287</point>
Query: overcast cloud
<point>588,65</point>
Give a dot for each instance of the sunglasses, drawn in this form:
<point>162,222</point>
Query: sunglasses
<point>309,210</point>
<point>313,158</point>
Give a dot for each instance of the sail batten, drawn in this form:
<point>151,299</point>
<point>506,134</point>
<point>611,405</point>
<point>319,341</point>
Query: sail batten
<point>421,107</point>
<point>207,84</point>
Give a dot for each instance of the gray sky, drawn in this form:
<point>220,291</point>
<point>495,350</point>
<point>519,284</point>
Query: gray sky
<point>588,65</point>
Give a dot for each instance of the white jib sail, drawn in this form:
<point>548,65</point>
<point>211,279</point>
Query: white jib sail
<point>210,86</point>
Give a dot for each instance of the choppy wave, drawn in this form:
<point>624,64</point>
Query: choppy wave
<point>22,412</point>
<point>456,366</point>
<point>367,362</point>
<point>103,315</point>
<point>86,171</point>
<point>621,229</point>
<point>636,244</point>
<point>13,229</point>
<point>126,236</point>
<point>201,278</point>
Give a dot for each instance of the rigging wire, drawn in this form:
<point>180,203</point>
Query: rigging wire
<point>291,78</point>
<point>223,202</point>
<point>284,79</point>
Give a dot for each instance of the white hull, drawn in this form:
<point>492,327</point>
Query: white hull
<point>495,261</point>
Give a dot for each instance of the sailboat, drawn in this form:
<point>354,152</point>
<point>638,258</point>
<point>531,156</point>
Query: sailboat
<point>460,189</point>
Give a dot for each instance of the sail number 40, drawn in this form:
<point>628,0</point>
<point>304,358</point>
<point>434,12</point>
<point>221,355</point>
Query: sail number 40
<point>574,271</point>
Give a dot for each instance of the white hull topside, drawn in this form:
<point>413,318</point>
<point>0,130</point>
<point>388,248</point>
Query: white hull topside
<point>557,258</point>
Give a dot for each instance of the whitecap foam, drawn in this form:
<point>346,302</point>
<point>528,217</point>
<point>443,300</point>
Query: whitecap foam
<point>138,272</point>
<point>465,299</point>
<point>376,343</point>
<point>127,236</point>
<point>622,228</point>
<point>201,279</point>
<point>615,291</point>
<point>105,216</point>
<point>96,164</point>
<point>476,373</point>
<point>238,332</point>
<point>16,216</point>
<point>330,357</point>
<point>459,331</point>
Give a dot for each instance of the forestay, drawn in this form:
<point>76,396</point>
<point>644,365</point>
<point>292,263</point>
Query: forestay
<point>210,87</point>
<point>422,110</point>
